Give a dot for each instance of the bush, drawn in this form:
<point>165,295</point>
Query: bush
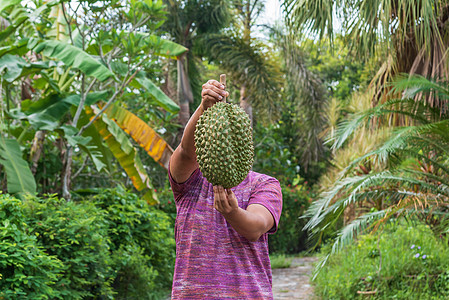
<point>77,234</point>
<point>290,238</point>
<point>404,262</point>
<point>111,246</point>
<point>26,271</point>
<point>147,231</point>
<point>134,279</point>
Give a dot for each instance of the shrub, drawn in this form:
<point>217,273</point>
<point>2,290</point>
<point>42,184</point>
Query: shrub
<point>77,234</point>
<point>133,224</point>
<point>111,246</point>
<point>134,278</point>
<point>290,238</point>
<point>26,271</point>
<point>405,262</point>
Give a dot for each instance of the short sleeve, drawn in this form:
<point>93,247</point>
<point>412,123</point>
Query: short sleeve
<point>180,189</point>
<point>267,193</point>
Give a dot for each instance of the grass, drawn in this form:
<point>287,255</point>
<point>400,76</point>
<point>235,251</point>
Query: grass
<point>280,261</point>
<point>406,262</point>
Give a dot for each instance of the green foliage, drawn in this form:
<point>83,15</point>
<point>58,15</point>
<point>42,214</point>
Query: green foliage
<point>52,69</point>
<point>146,231</point>
<point>75,57</point>
<point>135,279</point>
<point>340,72</point>
<point>280,261</point>
<point>411,177</point>
<point>406,261</point>
<point>77,234</point>
<point>20,179</point>
<point>272,153</point>
<point>111,246</point>
<point>290,238</point>
<point>26,270</point>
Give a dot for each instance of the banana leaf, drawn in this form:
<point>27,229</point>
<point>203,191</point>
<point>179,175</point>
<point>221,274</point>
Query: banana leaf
<point>100,154</point>
<point>143,134</point>
<point>159,96</point>
<point>74,57</point>
<point>7,3</point>
<point>13,67</point>
<point>46,113</point>
<point>165,47</point>
<point>127,156</point>
<point>18,173</point>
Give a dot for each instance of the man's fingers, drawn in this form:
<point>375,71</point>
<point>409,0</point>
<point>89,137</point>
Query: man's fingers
<point>221,199</point>
<point>213,91</point>
<point>224,198</point>
<point>232,199</point>
<point>214,83</point>
<point>211,95</point>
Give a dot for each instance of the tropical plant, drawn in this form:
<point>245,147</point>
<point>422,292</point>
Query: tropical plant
<point>251,62</point>
<point>63,61</point>
<point>108,245</point>
<point>187,22</point>
<point>414,177</point>
<point>408,35</point>
<point>26,269</point>
<point>405,261</point>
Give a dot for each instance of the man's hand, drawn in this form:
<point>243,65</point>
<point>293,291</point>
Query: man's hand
<point>212,92</point>
<point>183,161</point>
<point>251,223</point>
<point>225,201</point>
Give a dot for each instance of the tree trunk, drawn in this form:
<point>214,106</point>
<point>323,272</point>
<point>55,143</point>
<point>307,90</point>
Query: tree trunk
<point>185,96</point>
<point>245,105</point>
<point>36,149</point>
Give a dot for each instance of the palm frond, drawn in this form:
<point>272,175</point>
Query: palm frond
<point>419,112</point>
<point>383,184</point>
<point>314,17</point>
<point>408,141</point>
<point>347,235</point>
<point>413,85</point>
<point>307,93</point>
<point>248,64</point>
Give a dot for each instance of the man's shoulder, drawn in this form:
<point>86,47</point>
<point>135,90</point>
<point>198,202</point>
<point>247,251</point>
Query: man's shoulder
<point>256,179</point>
<point>256,176</point>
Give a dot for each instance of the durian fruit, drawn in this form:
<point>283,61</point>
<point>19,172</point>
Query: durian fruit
<point>224,144</point>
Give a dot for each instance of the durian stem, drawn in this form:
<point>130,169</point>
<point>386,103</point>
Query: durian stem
<point>223,82</point>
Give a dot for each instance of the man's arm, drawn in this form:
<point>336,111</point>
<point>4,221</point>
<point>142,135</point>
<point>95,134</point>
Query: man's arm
<point>252,223</point>
<point>183,160</point>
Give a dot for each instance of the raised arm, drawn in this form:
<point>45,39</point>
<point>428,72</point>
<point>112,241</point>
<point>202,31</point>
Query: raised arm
<point>183,161</point>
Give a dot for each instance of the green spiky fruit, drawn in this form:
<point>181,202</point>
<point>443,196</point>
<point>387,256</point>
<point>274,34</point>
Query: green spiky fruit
<point>224,144</point>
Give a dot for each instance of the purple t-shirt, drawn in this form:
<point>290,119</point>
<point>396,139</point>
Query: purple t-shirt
<point>213,261</point>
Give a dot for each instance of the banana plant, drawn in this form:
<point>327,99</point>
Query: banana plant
<point>71,67</point>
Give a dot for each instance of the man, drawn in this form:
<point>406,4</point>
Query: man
<point>221,234</point>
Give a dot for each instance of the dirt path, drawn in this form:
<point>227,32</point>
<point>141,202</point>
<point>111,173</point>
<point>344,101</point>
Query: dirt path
<point>293,283</point>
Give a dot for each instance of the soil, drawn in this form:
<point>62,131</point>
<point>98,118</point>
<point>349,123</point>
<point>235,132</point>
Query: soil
<point>294,282</point>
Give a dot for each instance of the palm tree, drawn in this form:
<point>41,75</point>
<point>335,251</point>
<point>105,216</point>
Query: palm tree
<point>251,69</point>
<point>187,22</point>
<point>309,98</point>
<point>249,61</point>
<point>415,177</point>
<point>408,34</point>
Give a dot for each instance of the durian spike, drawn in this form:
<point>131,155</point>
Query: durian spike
<point>223,82</point>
